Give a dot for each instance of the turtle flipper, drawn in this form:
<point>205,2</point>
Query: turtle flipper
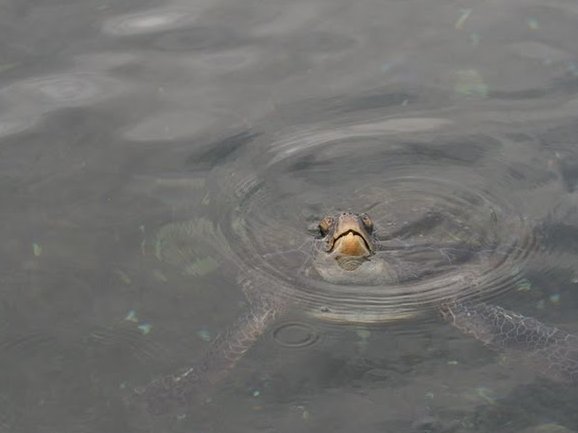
<point>194,383</point>
<point>553,352</point>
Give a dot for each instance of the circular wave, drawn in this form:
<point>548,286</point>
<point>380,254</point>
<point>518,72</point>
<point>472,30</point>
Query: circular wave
<point>150,21</point>
<point>449,220</point>
<point>295,335</point>
<point>62,90</point>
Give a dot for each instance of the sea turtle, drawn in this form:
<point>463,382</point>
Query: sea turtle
<point>349,255</point>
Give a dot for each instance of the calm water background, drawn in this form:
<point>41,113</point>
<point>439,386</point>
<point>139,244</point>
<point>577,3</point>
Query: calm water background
<point>120,117</point>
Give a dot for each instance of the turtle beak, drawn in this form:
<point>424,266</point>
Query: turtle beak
<point>351,238</point>
<point>351,250</point>
<point>352,244</point>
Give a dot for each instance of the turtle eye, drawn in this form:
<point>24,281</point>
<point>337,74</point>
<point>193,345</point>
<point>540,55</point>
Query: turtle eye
<point>325,225</point>
<point>367,222</point>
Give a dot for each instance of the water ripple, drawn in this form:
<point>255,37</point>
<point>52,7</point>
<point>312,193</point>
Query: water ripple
<point>295,335</point>
<point>13,124</point>
<point>151,21</point>
<point>451,227</point>
<point>60,90</point>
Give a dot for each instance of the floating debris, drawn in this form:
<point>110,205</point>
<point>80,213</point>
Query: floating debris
<point>131,316</point>
<point>204,334</point>
<point>143,243</point>
<point>486,394</point>
<point>452,362</point>
<point>465,13</point>
<point>145,328</point>
<point>533,24</point>
<point>36,249</point>
<point>256,393</point>
<point>555,298</point>
<point>469,82</point>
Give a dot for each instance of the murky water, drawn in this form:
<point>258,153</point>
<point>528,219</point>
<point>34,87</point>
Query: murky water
<point>154,154</point>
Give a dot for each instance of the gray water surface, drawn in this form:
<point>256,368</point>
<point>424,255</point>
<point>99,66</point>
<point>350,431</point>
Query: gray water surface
<point>254,118</point>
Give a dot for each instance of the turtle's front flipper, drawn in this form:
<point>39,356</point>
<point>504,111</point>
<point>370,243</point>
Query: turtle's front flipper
<point>551,351</point>
<point>195,382</point>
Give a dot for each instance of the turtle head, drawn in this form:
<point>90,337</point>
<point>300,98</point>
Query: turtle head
<point>348,238</point>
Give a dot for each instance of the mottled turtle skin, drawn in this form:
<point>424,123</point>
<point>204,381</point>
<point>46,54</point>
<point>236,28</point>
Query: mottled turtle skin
<point>347,254</point>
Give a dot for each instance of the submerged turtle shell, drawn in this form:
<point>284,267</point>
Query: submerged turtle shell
<point>425,255</point>
<point>445,228</point>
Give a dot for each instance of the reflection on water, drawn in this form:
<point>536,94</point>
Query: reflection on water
<point>27,100</point>
<point>15,124</point>
<point>156,156</point>
<point>151,21</point>
<point>63,90</point>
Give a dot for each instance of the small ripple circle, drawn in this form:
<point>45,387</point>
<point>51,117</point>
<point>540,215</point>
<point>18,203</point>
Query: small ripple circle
<point>295,335</point>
